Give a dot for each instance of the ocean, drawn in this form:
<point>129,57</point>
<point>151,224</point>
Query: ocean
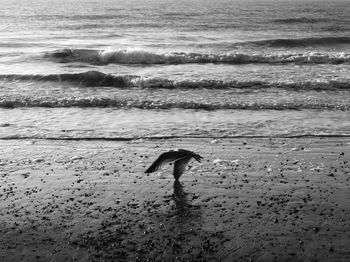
<point>112,69</point>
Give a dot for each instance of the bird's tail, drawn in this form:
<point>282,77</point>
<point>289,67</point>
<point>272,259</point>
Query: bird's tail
<point>197,157</point>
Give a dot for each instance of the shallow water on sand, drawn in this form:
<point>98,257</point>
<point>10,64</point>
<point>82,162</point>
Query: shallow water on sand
<point>76,123</point>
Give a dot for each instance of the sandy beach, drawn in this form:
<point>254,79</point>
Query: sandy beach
<point>252,199</point>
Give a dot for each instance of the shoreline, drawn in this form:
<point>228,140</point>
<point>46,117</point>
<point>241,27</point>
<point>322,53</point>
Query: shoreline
<point>259,199</point>
<point>151,138</point>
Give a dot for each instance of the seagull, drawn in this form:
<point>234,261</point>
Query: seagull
<point>180,157</point>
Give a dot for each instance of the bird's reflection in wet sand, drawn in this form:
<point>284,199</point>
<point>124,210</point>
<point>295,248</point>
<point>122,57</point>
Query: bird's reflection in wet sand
<point>180,198</point>
<point>183,207</point>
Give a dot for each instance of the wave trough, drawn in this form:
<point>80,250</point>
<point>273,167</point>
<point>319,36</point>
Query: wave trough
<point>304,42</point>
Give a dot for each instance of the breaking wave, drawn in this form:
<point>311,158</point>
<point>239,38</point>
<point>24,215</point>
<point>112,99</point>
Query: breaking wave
<point>83,102</point>
<point>97,79</point>
<point>90,78</point>
<point>102,57</point>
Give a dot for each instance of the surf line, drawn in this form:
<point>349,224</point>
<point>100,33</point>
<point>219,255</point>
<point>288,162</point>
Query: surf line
<point>170,137</point>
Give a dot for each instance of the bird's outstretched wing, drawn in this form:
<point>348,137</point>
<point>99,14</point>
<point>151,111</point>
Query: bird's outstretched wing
<point>191,154</point>
<point>164,159</point>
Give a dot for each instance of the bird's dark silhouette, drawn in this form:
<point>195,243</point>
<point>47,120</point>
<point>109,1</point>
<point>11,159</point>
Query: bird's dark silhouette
<point>179,157</point>
<point>180,197</point>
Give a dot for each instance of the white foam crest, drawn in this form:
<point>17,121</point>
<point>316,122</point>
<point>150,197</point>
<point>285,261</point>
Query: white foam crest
<point>146,82</point>
<point>131,56</point>
<point>146,57</point>
<point>140,56</point>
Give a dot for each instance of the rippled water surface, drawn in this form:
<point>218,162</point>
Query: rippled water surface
<point>162,68</point>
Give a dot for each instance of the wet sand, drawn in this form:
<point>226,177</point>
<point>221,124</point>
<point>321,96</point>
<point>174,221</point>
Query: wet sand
<point>249,200</point>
